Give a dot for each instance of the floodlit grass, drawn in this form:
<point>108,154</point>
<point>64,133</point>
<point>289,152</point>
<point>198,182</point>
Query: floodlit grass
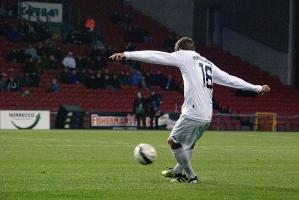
<point>99,164</point>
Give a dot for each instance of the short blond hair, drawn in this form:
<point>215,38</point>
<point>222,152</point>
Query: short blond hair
<point>185,43</point>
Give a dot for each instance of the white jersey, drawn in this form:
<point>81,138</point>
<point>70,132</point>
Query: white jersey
<point>199,74</point>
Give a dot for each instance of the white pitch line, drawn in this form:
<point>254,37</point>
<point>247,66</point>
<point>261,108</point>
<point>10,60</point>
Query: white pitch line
<point>267,136</point>
<point>62,140</point>
<point>243,146</point>
<point>65,146</point>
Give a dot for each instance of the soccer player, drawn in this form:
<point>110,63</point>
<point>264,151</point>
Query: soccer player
<point>199,75</point>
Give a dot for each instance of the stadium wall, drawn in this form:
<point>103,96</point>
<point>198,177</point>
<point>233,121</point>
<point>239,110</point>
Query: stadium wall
<point>269,59</point>
<point>264,21</point>
<point>242,19</point>
<point>176,16</point>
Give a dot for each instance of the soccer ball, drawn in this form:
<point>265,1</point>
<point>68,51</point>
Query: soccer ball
<point>145,154</point>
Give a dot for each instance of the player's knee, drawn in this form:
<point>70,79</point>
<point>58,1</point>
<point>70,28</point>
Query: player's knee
<point>170,141</point>
<point>172,144</point>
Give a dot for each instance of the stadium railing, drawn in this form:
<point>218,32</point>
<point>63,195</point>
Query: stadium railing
<point>234,122</point>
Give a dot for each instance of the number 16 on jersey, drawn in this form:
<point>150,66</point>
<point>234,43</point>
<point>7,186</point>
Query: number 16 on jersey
<point>207,75</point>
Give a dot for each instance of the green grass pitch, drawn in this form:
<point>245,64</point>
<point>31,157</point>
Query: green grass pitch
<point>89,164</point>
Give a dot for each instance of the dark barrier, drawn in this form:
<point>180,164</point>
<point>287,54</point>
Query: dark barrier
<point>69,116</point>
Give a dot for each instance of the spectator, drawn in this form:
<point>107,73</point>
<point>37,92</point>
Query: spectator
<point>31,52</point>
<point>154,112</point>
<point>143,83</point>
<point>26,93</point>
<point>72,77</point>
<point>158,79</point>
<point>25,80</point>
<point>135,78</point>
<point>123,78</point>
<point>54,87</point>
<point>169,83</point>
<point>139,109</point>
<point>149,79</point>
<point>69,61</point>
<point>11,85</point>
<point>13,35</point>
<point>53,63</point>
<point>90,24</point>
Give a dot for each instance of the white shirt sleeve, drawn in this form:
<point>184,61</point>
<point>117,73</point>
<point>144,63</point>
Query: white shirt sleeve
<point>155,57</point>
<point>222,78</point>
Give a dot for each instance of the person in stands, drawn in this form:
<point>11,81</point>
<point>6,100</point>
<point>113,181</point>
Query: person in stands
<point>154,112</point>
<point>11,85</point>
<point>69,61</point>
<point>139,109</point>
<point>90,24</point>
<point>54,87</point>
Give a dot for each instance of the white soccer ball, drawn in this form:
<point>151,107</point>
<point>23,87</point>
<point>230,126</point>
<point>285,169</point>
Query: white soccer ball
<point>145,154</point>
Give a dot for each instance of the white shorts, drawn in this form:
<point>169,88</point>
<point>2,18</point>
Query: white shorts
<point>187,131</point>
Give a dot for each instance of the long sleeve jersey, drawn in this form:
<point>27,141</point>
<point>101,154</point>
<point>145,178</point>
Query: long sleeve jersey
<point>199,75</point>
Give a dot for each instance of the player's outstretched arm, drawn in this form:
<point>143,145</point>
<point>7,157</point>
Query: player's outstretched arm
<point>265,89</point>
<point>118,56</point>
<point>155,57</point>
<point>222,78</point>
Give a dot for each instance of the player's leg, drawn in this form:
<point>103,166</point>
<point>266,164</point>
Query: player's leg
<point>178,168</point>
<point>138,120</point>
<point>181,157</point>
<point>194,136</point>
<point>186,132</point>
<point>180,129</point>
<point>180,139</point>
<point>143,117</point>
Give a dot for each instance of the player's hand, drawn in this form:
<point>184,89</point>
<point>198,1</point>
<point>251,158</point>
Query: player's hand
<point>118,56</point>
<point>265,89</point>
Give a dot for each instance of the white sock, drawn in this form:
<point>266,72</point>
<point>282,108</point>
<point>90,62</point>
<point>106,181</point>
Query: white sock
<point>181,157</point>
<point>178,168</point>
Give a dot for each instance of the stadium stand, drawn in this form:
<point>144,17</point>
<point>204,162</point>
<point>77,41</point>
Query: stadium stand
<point>280,101</point>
